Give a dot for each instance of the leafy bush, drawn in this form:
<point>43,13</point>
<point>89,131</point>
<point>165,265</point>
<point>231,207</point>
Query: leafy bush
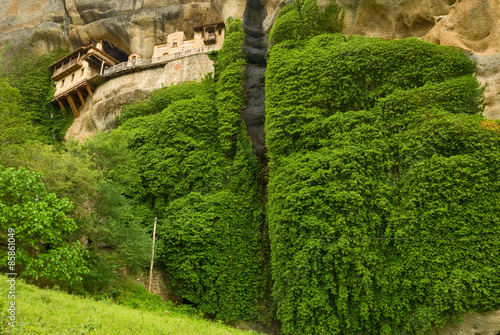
<point>43,250</point>
<point>162,98</point>
<point>197,172</point>
<point>303,19</point>
<point>230,98</point>
<point>378,157</point>
<point>15,125</point>
<point>28,72</point>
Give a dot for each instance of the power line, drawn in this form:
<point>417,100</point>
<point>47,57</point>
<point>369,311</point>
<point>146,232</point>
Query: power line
<point>349,237</point>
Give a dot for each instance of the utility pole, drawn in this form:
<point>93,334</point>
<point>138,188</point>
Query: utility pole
<point>152,256</point>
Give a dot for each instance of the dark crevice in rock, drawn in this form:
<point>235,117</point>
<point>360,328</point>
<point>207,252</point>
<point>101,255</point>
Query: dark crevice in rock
<point>66,22</point>
<point>255,46</point>
<point>114,51</point>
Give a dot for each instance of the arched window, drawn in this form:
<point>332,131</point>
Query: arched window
<point>174,45</point>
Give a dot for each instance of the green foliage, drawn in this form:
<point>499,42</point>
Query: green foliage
<point>64,174</point>
<point>28,72</point>
<point>52,312</point>
<point>365,70</point>
<point>198,175</point>
<point>127,292</point>
<point>378,139</point>
<point>214,267</point>
<point>15,125</point>
<point>162,98</point>
<point>230,98</point>
<point>303,19</point>
<point>91,176</point>
<point>114,223</point>
<point>174,150</point>
<point>39,218</point>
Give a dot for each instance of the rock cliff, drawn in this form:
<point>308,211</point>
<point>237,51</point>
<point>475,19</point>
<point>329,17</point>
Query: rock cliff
<point>134,26</point>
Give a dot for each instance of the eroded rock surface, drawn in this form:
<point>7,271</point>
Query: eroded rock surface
<point>475,324</point>
<point>134,26</point>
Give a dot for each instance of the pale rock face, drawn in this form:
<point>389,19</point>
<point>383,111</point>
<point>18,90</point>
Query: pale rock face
<point>475,324</point>
<point>135,25</point>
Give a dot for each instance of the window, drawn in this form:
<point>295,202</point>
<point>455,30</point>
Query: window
<point>72,77</point>
<point>220,31</point>
<point>83,71</point>
<point>62,83</point>
<point>174,45</point>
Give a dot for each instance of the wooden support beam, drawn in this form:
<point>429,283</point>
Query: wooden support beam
<point>81,97</point>
<point>61,104</point>
<point>89,90</point>
<point>73,106</point>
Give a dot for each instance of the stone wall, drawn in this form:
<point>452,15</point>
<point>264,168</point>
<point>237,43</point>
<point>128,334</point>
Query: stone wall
<point>158,284</point>
<point>113,95</point>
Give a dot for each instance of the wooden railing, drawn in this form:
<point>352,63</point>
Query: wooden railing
<point>144,63</point>
<point>65,66</point>
<point>63,90</point>
<point>210,38</point>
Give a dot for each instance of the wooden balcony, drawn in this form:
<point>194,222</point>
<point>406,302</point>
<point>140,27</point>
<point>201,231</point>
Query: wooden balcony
<point>66,68</point>
<point>210,38</point>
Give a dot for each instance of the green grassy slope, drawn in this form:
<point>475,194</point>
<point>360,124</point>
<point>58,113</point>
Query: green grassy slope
<point>42,311</point>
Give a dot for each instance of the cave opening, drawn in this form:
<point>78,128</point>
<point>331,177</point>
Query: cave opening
<point>113,51</point>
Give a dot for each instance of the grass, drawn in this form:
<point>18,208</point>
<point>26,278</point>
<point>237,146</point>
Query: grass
<point>42,311</point>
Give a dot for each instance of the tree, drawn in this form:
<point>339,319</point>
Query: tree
<point>15,125</point>
<point>42,229</point>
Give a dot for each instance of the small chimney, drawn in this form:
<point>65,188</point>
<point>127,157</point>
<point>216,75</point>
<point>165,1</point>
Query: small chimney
<point>99,45</point>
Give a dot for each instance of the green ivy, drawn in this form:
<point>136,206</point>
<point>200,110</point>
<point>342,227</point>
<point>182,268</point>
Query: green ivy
<point>28,73</point>
<point>230,98</point>
<point>197,173</point>
<point>377,150</point>
<point>303,19</point>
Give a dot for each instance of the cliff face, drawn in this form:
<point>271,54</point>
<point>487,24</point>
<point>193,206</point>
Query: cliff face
<point>469,24</point>
<point>130,25</point>
<point>134,26</point>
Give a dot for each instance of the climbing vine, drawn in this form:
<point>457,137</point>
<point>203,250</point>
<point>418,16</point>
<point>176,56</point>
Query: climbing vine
<point>199,176</point>
<point>383,185</point>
